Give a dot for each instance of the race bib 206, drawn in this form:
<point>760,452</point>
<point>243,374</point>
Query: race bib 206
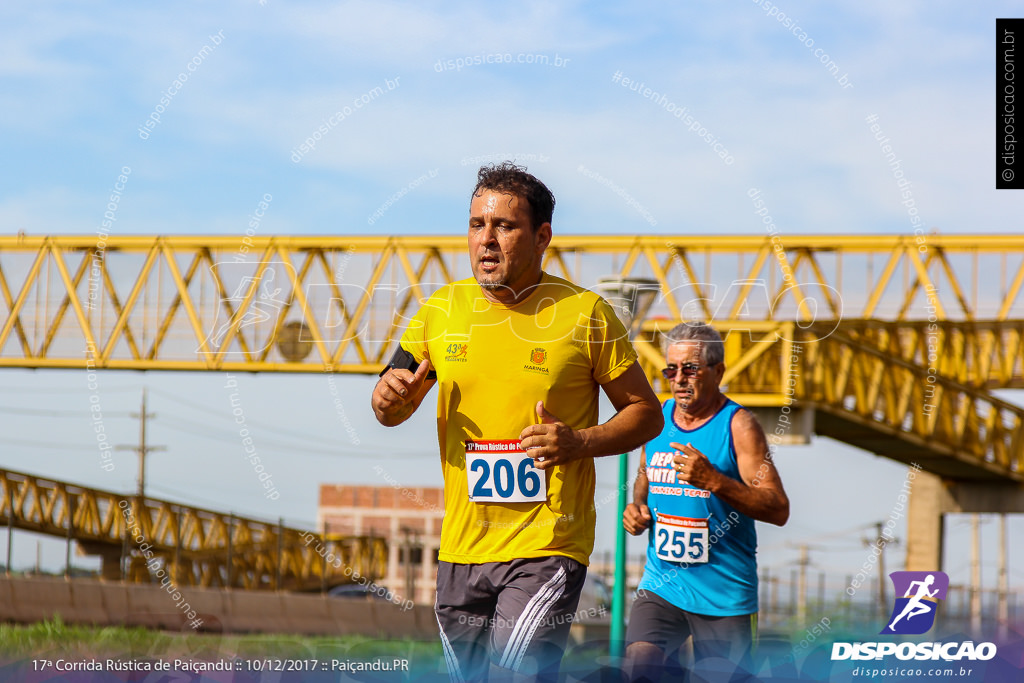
<point>499,471</point>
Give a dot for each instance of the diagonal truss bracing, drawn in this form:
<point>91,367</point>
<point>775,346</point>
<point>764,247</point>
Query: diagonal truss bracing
<point>303,304</point>
<point>194,546</point>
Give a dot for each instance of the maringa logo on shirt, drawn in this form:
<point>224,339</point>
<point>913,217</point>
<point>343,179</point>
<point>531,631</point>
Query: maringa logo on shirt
<point>537,359</point>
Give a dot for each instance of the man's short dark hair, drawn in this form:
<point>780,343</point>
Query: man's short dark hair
<point>507,178</point>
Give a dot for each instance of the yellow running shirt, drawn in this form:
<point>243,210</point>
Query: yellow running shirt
<point>493,363</point>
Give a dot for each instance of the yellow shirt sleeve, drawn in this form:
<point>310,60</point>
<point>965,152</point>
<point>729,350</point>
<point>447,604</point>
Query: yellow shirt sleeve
<point>417,334</point>
<point>611,352</point>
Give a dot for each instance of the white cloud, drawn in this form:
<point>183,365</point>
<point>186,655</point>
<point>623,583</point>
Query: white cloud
<point>283,69</point>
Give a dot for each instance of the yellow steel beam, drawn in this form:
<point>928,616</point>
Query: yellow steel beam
<point>222,312</point>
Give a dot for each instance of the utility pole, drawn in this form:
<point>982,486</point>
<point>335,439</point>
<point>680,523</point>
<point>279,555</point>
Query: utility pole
<point>773,599</point>
<point>975,575</point>
<point>634,297</point>
<point>1004,583</point>
<point>881,542</point>
<point>410,542</point>
<point>143,449</point>
<point>801,596</point>
<point>882,602</point>
<point>793,583</point>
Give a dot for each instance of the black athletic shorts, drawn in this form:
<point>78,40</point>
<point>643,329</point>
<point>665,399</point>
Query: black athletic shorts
<point>511,616</point>
<point>657,621</point>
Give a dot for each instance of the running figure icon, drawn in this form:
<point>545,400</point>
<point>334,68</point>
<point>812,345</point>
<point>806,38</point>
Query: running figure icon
<point>917,595</point>
<point>915,605</point>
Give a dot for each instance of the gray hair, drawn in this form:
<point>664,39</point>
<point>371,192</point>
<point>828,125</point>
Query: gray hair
<point>712,350</point>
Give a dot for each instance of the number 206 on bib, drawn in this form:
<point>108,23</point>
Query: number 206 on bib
<point>501,472</point>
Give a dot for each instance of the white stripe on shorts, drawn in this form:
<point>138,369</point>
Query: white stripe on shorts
<point>454,672</point>
<point>534,613</point>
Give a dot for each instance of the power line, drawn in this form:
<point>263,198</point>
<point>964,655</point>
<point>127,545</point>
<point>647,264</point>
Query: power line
<point>41,444</point>
<point>59,413</point>
<point>258,440</point>
<point>64,390</point>
<point>218,507</point>
<point>263,427</point>
<point>177,399</point>
<point>272,446</point>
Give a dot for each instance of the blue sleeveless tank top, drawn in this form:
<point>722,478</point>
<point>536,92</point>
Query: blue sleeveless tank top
<point>726,583</point>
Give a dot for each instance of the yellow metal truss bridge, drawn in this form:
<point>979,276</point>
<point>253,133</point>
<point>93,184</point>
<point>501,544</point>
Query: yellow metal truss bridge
<point>891,343</point>
<point>143,540</point>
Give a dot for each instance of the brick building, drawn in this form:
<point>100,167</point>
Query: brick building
<point>409,518</point>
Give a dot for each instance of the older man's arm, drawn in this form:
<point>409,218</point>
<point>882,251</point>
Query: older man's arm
<point>758,493</point>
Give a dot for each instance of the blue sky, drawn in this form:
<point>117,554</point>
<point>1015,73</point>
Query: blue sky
<point>77,81</point>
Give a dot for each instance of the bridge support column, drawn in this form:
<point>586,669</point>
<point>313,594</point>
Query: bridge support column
<point>110,558</point>
<point>790,428</point>
<point>932,497</point>
<point>929,501</point>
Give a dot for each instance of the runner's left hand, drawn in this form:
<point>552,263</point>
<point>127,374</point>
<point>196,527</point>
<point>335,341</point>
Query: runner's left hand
<point>552,442</point>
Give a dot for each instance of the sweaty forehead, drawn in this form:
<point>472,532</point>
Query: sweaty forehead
<point>684,352</point>
<point>489,202</point>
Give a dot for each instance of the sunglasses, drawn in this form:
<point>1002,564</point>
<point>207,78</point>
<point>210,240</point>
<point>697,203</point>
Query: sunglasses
<point>688,370</point>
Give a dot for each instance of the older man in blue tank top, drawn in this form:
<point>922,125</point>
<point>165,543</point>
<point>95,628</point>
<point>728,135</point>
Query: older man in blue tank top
<point>704,481</point>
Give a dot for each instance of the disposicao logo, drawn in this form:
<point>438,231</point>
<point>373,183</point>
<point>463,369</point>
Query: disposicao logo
<point>914,613</point>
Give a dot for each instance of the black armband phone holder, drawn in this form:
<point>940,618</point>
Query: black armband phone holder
<point>406,361</point>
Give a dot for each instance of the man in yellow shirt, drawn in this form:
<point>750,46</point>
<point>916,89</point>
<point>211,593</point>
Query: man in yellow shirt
<point>519,356</point>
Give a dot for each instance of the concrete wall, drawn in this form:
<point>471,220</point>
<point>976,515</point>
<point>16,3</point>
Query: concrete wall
<point>89,601</point>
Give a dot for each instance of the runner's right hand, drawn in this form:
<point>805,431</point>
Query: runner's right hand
<point>398,387</point>
<point>636,518</point>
